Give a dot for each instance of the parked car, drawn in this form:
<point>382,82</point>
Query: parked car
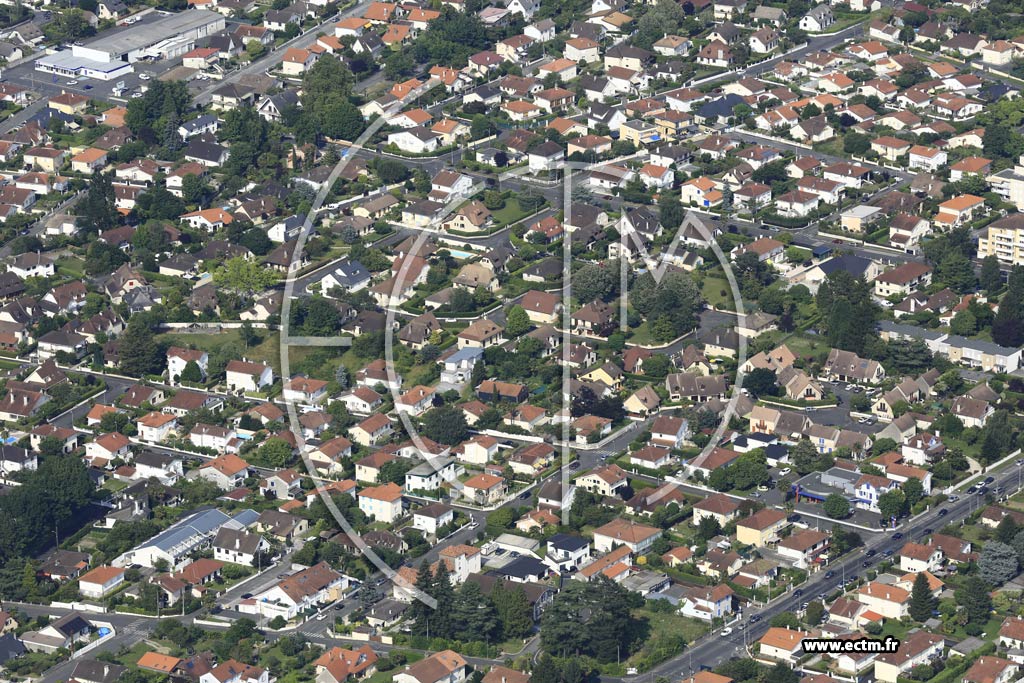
<point>943,512</point>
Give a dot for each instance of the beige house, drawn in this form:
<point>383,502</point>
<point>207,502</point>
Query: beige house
<point>917,649</point>
<point>892,602</point>
<point>761,528</point>
<point>719,507</point>
<point>782,645</point>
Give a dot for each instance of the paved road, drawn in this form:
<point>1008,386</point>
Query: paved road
<point>273,58</point>
<point>715,648</point>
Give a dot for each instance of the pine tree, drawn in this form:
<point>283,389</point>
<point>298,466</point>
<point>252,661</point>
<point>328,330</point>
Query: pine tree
<point>514,610</point>
<point>420,612</point>
<point>140,354</point>
<point>474,616</point>
<point>921,601</point>
<point>443,625</point>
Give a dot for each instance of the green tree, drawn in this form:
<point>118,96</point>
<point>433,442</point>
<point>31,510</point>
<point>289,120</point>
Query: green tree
<point>921,600</point>
<point>974,598</point>
<point>913,491</point>
<point>991,277</point>
<point>445,424</point>
<point>514,610</point>
<point>891,504</point>
<point>517,321</point>
<point>191,373</point>
<point>242,276</point>
<point>836,506</point>
<point>998,563</point>
<point>139,353</point>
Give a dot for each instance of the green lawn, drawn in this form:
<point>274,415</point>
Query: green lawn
<point>510,213</point>
<point>267,351</point>
<point>71,267</point>
<point>718,293</point>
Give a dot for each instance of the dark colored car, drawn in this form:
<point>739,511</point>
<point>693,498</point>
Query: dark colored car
<point>943,512</point>
<point>898,535</point>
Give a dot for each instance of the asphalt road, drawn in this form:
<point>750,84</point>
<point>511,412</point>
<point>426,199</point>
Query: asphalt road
<point>714,648</point>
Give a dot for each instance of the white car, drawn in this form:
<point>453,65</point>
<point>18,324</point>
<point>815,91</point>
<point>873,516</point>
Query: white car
<point>136,95</point>
<point>321,616</point>
<point>72,82</point>
<point>144,77</point>
<point>727,630</point>
<point>785,471</point>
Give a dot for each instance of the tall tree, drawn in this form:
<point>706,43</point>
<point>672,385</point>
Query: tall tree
<point>474,616</point>
<point>921,600</point>
<point>419,612</point>
<point>991,278</point>
<point>139,353</point>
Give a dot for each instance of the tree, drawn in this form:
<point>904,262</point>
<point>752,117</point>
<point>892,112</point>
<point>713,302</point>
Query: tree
<point>97,208</point>
<point>760,382</point>
<point>991,277</point>
<point>1007,530</point>
<point>274,452</point>
<point>191,373</point>
<point>446,425</point>
<point>514,610</point>
<point>974,598</point>
<point>964,323</point>
<point>921,600</point>
<point>474,615</point>
<point>139,353</point>
<point>815,611</point>
<point>781,673</point>
<point>891,504</point>
<point>913,491</point>
<point>856,143</point>
<point>998,563</point>
<point>670,211</point>
<point>836,506</point>
<point>848,311</point>
<point>517,321</point>
<point>1007,326</point>
<point>708,528</point>
<point>243,276</point>
<point>595,281</point>
<point>254,49</point>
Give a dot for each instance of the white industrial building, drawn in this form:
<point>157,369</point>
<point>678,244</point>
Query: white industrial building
<point>112,55</point>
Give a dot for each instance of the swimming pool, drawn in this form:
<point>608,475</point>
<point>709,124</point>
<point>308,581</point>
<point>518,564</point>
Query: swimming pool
<point>461,255</point>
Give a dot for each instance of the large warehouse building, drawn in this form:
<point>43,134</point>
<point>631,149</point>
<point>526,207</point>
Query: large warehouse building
<point>112,55</point>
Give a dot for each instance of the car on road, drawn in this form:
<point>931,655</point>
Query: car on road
<point>866,563</point>
<point>943,512</point>
<point>829,574</point>
<point>144,77</point>
<point>953,499</point>
<point>727,630</point>
<point>982,491</point>
<point>474,524</point>
<point>340,606</point>
<point>136,96</point>
<point>897,536</point>
<point>872,552</point>
<point>798,592</point>
<point>756,618</point>
<point>889,553</point>
<point>321,616</point>
<point>575,464</point>
<point>989,480</point>
<point>783,472</point>
<point>246,596</point>
<point>524,495</point>
<point>973,489</point>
